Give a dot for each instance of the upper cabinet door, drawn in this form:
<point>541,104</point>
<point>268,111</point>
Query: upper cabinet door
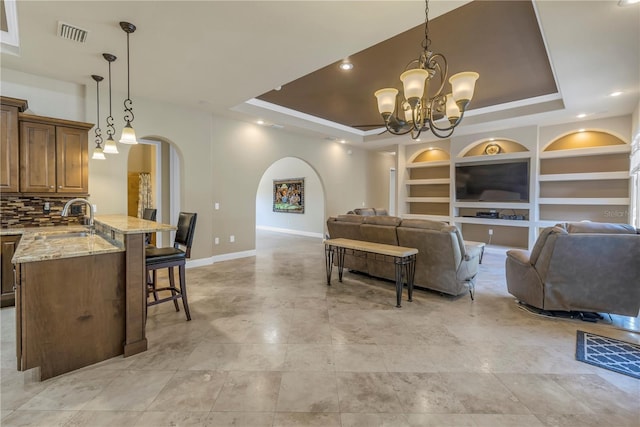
<point>37,158</point>
<point>72,160</point>
<point>9,150</point>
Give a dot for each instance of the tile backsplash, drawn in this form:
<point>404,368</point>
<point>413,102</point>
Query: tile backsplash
<point>28,211</point>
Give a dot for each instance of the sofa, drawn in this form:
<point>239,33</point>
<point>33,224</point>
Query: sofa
<point>443,263</point>
<point>579,267</point>
<point>369,212</point>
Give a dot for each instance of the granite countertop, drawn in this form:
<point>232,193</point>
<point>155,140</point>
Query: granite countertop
<point>46,243</point>
<point>131,225</point>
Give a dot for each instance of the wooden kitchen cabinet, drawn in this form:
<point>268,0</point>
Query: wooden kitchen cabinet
<point>53,155</point>
<point>7,249</point>
<point>10,143</point>
<point>70,312</point>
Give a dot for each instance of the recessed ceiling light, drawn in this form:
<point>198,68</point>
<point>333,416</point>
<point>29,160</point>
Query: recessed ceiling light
<point>623,3</point>
<point>581,130</point>
<point>617,93</point>
<point>342,141</point>
<point>581,115</point>
<point>260,122</point>
<point>346,66</point>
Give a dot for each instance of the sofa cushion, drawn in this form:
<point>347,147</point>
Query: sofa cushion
<point>381,211</point>
<point>541,241</point>
<point>598,228</point>
<point>365,211</point>
<point>349,218</point>
<point>423,224</point>
<point>383,220</point>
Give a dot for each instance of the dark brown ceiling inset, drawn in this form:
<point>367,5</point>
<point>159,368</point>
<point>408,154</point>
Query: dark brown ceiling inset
<point>499,40</point>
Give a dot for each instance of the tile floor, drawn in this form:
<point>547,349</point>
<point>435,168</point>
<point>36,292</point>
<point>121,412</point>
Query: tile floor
<point>271,345</point>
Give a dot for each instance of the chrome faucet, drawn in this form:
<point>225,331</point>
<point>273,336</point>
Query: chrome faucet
<point>65,210</point>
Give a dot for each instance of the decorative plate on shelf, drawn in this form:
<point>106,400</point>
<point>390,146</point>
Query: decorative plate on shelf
<point>492,149</point>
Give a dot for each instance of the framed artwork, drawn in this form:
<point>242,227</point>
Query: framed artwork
<point>288,195</point>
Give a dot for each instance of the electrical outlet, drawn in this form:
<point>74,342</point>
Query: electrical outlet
<point>216,205</point>
<point>491,232</point>
<point>216,241</point>
<point>47,206</point>
<point>232,238</point>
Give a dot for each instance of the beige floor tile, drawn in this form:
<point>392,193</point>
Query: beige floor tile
<point>311,419</point>
<point>426,393</point>
<point>374,420</point>
<point>192,391</point>
<point>249,392</point>
<point>130,391</point>
<point>367,392</point>
<point>239,419</point>
<point>309,357</point>
<point>359,358</point>
<point>173,419</point>
<point>482,393</point>
<point>38,418</point>
<point>104,419</point>
<point>308,392</point>
<point>441,420</point>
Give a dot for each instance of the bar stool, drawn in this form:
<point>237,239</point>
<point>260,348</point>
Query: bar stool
<point>157,258</point>
<point>150,215</point>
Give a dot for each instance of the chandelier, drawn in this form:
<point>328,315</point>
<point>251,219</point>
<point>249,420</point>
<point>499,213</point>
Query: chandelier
<point>421,110</point>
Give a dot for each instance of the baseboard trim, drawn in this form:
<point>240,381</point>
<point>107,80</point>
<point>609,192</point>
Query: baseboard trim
<point>201,262</point>
<point>290,231</point>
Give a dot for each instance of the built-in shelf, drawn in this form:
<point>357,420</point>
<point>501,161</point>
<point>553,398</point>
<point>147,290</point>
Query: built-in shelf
<point>590,176</point>
<point>485,157</point>
<point>592,151</point>
<point>492,205</point>
<point>584,201</point>
<point>428,181</point>
<point>492,221</point>
<point>434,164</point>
<point>427,199</point>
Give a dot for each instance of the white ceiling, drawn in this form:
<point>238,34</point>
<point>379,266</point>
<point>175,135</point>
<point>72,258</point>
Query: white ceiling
<point>217,55</point>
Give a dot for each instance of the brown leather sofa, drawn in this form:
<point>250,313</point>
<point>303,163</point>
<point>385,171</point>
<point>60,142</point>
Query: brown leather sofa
<point>443,263</point>
<point>581,267</point>
<point>368,211</point>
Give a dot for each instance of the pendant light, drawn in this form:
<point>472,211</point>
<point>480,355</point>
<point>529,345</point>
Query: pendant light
<point>98,153</point>
<point>128,134</point>
<point>110,146</point>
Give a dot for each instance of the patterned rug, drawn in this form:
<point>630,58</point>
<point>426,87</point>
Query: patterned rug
<point>608,353</point>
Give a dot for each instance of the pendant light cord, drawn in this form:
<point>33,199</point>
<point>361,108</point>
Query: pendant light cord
<point>98,130</point>
<point>128,111</point>
<point>110,128</point>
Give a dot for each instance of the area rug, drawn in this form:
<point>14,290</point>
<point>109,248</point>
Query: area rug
<point>608,353</point>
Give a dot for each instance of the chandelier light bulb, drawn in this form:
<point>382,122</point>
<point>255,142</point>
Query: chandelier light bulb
<point>386,100</point>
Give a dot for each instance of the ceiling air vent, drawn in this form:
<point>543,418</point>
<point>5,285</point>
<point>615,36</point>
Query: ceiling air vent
<point>71,32</point>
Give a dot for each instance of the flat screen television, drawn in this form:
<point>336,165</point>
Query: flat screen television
<point>493,182</point>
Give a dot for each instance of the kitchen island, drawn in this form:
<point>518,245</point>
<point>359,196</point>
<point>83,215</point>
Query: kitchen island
<point>80,296</point>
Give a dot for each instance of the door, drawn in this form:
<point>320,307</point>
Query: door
<point>9,147</point>
<point>72,160</point>
<point>37,158</point>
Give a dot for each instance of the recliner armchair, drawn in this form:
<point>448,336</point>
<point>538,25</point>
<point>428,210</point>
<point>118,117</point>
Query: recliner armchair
<point>582,266</point>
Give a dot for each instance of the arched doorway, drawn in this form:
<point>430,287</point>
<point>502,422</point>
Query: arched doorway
<point>309,223</point>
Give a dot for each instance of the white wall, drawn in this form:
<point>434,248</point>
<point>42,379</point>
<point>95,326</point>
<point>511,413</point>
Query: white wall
<point>309,222</point>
